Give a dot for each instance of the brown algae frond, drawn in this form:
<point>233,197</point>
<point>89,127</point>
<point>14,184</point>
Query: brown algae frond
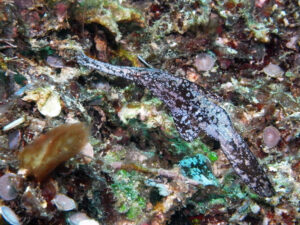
<point>53,148</point>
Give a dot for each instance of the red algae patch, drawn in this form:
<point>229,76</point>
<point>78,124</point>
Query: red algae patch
<point>53,148</point>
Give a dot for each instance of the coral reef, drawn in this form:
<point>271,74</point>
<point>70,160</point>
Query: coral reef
<point>180,17</point>
<point>134,166</point>
<point>108,14</point>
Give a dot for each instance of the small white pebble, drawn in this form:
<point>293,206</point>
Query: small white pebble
<point>292,43</point>
<point>204,62</point>
<point>255,208</point>
<point>52,106</point>
<point>87,152</point>
<point>63,202</point>
<point>55,62</point>
<point>81,219</point>
<point>9,215</point>
<point>89,222</point>
<point>273,70</point>
<point>76,218</point>
<point>286,22</point>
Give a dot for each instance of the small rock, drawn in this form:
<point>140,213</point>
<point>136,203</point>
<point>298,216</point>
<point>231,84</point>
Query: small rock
<point>61,11</point>
<point>55,62</point>
<point>48,101</point>
<point>273,70</point>
<point>271,136</point>
<point>292,43</point>
<point>162,188</point>
<point>297,60</point>
<point>3,109</point>
<point>52,106</point>
<point>87,152</point>
<point>32,201</point>
<point>7,187</point>
<point>192,75</point>
<point>36,125</point>
<point>81,219</point>
<point>204,62</point>
<point>63,202</point>
<point>255,208</point>
<point>14,139</point>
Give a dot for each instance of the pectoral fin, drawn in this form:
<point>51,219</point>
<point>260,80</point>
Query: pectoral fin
<point>186,126</point>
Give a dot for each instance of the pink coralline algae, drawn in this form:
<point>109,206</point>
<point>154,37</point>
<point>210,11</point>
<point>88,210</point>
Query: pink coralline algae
<point>204,62</point>
<point>271,136</point>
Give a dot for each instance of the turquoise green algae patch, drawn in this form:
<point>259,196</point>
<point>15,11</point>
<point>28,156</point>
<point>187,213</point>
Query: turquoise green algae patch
<point>197,168</point>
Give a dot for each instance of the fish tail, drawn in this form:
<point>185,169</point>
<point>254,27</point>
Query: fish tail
<point>247,166</point>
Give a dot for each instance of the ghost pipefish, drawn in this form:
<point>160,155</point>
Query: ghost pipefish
<point>192,112</point>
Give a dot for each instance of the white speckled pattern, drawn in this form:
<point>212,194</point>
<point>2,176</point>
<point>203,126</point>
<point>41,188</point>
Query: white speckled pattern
<point>192,111</point>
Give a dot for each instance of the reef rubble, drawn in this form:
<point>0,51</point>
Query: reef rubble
<point>79,146</point>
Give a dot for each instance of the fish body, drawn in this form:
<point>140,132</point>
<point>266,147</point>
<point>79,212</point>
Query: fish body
<point>192,112</point>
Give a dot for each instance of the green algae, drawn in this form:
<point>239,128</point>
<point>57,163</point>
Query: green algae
<point>230,189</point>
<point>181,147</point>
<point>20,79</point>
<point>210,202</point>
<point>148,114</point>
<point>114,156</point>
<point>233,189</point>
<point>126,191</point>
<point>198,146</point>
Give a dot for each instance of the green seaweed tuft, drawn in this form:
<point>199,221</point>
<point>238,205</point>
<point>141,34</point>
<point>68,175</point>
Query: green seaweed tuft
<point>127,195</point>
